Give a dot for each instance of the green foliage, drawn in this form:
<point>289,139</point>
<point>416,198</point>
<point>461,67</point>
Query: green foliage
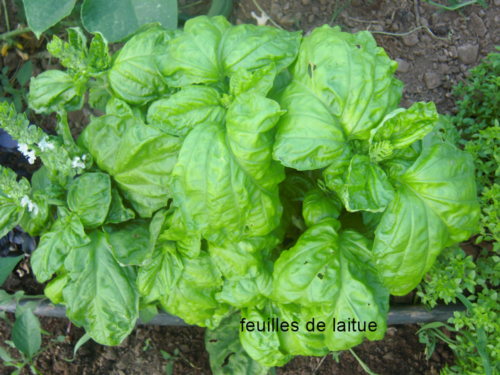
<point>476,346</point>
<point>8,92</point>
<point>190,194</point>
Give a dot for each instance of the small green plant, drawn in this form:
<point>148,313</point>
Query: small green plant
<point>26,334</point>
<point>172,358</point>
<point>8,91</point>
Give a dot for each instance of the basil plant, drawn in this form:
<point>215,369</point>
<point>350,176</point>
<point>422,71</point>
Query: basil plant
<point>239,174</point>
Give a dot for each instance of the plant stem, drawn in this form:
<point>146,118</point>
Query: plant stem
<point>190,5</point>
<point>13,33</point>
<point>452,8</point>
<point>6,15</point>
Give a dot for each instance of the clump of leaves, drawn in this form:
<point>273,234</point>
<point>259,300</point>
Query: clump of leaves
<point>190,194</point>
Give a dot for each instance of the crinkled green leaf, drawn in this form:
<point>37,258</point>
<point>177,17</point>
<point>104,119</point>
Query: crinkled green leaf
<point>226,181</point>
<point>44,181</point>
<point>263,346</point>
<point>435,206</point>
<point>10,214</point>
<point>66,233</point>
<point>402,127</point>
<point>333,275</point>
<point>210,49</point>
<point>182,111</point>
<point>118,213</point>
<point>133,76</point>
<point>260,81</point>
<point>99,59</point>
<point>319,205</point>
<point>37,221</point>
<point>160,274</point>
<point>130,242</point>
<point>53,90</point>
<point>193,297</point>
<point>342,87</point>
<point>247,291</point>
<point>188,243</point>
<point>227,356</point>
<point>363,186</point>
<point>103,297</point>
<point>89,196</point>
<point>139,157</point>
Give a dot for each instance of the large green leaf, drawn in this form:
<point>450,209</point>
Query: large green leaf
<point>332,276</point>
<point>160,274</point>
<point>435,206</point>
<point>210,49</point>
<point>139,157</point>
<point>185,109</point>
<point>42,15</point>
<point>264,346</point>
<point>130,242</point>
<point>226,182</point>
<point>117,19</point>
<point>133,76</point>
<point>193,297</point>
<point>118,213</point>
<point>10,214</point>
<point>89,196</point>
<point>342,87</point>
<point>66,233</point>
<point>227,356</point>
<point>26,333</point>
<point>319,205</point>
<point>53,90</point>
<point>103,297</point>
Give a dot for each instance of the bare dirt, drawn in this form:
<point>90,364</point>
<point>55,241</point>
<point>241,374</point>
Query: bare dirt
<point>429,66</point>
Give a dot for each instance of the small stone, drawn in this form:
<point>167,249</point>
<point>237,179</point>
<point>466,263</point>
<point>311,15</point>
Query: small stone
<point>315,10</point>
<point>323,2</point>
<point>444,69</point>
<point>306,2</point>
<point>435,18</point>
<point>124,362</point>
<point>287,21</point>
<point>432,80</point>
<point>287,5</point>
<point>389,356</point>
<point>111,354</point>
<point>424,22</point>
<point>453,52</point>
<point>426,38</point>
<point>403,66</point>
<point>378,27</point>
<point>310,19</point>
<point>239,22</point>
<point>478,27</point>
<point>442,58</point>
<point>275,9</point>
<point>468,53</point>
<point>357,3</point>
<point>411,40</point>
<point>298,16</point>
<point>467,74</point>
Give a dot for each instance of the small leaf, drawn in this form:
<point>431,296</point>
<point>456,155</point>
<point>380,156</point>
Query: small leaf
<point>26,333</point>
<point>7,265</point>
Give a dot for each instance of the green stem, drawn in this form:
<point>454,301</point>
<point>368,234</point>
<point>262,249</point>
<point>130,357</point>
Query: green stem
<point>190,5</point>
<point>13,33</point>
<point>452,8</point>
<point>6,15</point>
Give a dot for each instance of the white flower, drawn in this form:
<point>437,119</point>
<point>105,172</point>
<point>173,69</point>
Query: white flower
<point>31,205</point>
<point>43,144</point>
<point>84,157</point>
<point>262,20</point>
<point>30,155</point>
<point>23,148</point>
<point>77,163</point>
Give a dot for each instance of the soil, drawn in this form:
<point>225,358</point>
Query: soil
<point>429,66</point>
